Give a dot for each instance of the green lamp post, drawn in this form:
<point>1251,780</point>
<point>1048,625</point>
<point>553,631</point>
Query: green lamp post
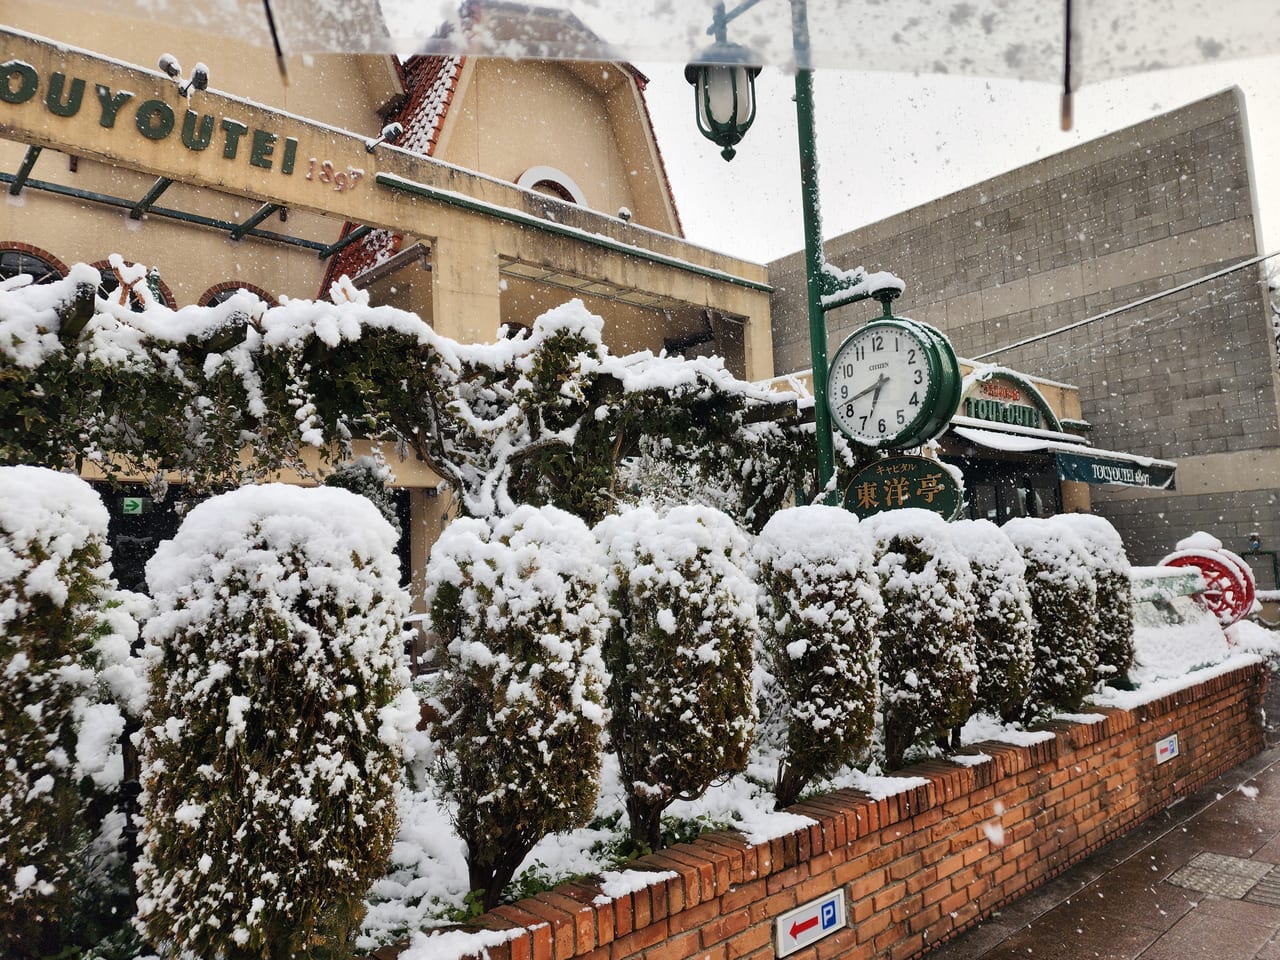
<point>724,87</point>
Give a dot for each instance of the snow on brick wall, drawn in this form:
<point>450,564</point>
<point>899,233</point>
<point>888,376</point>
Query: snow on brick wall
<point>910,881</point>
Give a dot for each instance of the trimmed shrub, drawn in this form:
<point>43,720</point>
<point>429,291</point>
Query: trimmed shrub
<point>1004,626</point>
<point>371,478</point>
<point>1064,599</point>
<point>927,669</point>
<point>679,653</point>
<point>58,731</point>
<point>273,739</point>
<point>1110,565</point>
<point>819,610</point>
<point>520,601</point>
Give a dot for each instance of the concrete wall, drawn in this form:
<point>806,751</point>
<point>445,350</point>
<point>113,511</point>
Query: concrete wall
<point>1190,377</point>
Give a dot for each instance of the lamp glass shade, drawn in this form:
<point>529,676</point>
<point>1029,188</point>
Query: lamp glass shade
<point>724,94</point>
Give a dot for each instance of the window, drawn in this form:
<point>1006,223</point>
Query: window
<point>41,267</point>
<point>221,292</point>
<point>110,283</point>
<point>553,183</point>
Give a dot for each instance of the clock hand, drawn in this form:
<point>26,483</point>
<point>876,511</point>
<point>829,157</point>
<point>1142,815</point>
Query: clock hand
<point>875,397</point>
<point>880,382</point>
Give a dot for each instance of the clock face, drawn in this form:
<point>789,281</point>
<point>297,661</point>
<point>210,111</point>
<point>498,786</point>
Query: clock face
<point>884,383</point>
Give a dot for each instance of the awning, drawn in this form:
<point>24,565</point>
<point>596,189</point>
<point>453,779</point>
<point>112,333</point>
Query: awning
<point>1078,462</point>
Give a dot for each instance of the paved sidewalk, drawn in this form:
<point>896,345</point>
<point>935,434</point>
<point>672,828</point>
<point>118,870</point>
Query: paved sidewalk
<point>1201,880</point>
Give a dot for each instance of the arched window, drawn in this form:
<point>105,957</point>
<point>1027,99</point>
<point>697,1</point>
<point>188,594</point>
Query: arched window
<point>228,288</point>
<point>42,267</point>
<point>554,183</point>
<point>110,283</point>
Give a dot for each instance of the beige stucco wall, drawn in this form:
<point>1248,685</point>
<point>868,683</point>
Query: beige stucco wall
<point>466,243</point>
<point>509,117</point>
<point>344,91</point>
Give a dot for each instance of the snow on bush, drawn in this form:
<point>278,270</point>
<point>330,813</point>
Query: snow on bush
<point>274,735</point>
<point>819,610</point>
<point>230,393</point>
<point>927,670</point>
<point>1003,623</point>
<point>679,653</point>
<point>58,723</point>
<point>1110,565</point>
<point>371,478</point>
<point>1064,598</point>
<point>520,601</point>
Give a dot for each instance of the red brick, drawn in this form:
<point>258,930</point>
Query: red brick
<point>725,927</point>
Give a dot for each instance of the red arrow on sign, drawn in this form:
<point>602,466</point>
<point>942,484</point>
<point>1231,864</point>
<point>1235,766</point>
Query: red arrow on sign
<point>799,928</point>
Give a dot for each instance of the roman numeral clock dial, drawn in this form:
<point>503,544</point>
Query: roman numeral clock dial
<point>894,383</point>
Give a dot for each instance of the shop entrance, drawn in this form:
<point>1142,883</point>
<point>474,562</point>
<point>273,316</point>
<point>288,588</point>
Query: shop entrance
<point>998,490</point>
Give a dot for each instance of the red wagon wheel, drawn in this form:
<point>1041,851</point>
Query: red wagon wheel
<point>1229,589</point>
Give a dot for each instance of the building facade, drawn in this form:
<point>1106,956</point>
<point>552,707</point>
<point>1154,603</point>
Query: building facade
<point>512,188</point>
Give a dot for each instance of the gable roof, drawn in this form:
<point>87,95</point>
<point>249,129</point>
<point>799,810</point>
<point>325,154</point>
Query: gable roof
<point>430,83</point>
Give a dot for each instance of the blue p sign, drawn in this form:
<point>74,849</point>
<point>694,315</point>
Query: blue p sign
<point>828,914</point>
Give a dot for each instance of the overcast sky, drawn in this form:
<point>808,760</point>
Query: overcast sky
<point>888,142</point>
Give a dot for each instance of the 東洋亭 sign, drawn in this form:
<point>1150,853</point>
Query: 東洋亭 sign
<point>905,481</point>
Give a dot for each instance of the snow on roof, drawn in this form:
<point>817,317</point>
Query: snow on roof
<point>431,83</point>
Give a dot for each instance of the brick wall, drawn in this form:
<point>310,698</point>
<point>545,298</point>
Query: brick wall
<point>919,866</point>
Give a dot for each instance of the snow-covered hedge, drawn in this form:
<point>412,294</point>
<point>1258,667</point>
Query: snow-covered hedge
<point>819,612</point>
<point>927,669</point>
<point>59,725</point>
<point>679,653</point>
<point>1110,565</point>
<point>273,739</point>
<point>520,603</point>
<point>1003,623</point>
<point>1064,598</point>
<point>227,394</point>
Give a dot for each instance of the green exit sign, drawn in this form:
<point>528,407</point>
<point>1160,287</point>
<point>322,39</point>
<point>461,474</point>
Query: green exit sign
<point>132,506</point>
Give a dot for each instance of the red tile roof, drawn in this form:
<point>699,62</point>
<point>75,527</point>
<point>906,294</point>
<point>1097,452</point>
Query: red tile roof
<point>430,83</point>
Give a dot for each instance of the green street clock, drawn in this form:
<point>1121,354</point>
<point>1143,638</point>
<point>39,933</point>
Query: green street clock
<point>894,383</point>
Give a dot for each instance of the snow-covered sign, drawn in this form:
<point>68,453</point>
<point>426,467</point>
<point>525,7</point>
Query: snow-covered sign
<point>809,923</point>
<point>906,481</point>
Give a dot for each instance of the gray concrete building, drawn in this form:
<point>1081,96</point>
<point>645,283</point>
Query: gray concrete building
<point>1190,376</point>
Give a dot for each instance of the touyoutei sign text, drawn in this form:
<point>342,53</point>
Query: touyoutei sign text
<point>156,119</point>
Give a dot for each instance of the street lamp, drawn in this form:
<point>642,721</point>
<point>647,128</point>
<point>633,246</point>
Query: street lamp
<point>724,91</point>
<point>720,84</point>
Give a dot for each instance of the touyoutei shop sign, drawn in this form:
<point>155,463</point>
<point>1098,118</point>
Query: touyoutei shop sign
<point>156,119</point>
<point>1004,398</point>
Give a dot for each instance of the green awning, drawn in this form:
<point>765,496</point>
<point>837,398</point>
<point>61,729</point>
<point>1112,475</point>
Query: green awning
<point>1132,472</point>
<point>1075,460</point>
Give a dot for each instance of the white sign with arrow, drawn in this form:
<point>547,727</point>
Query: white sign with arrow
<point>809,923</point>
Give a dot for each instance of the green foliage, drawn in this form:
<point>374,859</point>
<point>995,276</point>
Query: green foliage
<point>1115,627</point>
<point>820,609</point>
<point>367,477</point>
<point>1064,602</point>
<point>228,394</point>
<point>1104,550</point>
<point>54,588</point>
<point>519,603</point>
<point>927,664</point>
<point>1003,622</point>
<point>679,653</point>
<point>269,765</point>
